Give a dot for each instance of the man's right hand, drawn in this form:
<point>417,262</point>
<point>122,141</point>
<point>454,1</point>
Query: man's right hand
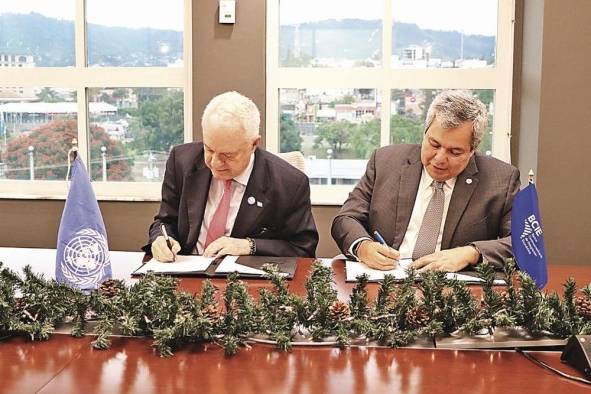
<point>377,256</point>
<point>161,251</point>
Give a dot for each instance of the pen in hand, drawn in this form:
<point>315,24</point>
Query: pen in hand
<point>378,237</point>
<point>168,243</point>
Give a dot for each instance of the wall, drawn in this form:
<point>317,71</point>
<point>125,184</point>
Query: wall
<point>565,131</point>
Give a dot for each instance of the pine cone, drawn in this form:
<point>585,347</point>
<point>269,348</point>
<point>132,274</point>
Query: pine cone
<point>417,317</point>
<point>20,303</point>
<point>339,311</point>
<point>211,312</point>
<point>583,305</point>
<point>111,288</point>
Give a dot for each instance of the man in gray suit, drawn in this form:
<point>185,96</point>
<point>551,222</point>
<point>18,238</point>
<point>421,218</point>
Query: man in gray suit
<point>225,196</point>
<point>440,203</point>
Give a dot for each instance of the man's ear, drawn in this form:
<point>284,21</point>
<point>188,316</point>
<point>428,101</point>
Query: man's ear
<point>256,141</point>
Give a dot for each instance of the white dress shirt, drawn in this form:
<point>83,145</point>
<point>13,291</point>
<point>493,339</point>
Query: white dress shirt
<point>424,194</point>
<point>216,191</point>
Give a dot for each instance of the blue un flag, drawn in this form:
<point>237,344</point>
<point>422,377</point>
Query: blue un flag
<point>82,258</point>
<point>527,237</point>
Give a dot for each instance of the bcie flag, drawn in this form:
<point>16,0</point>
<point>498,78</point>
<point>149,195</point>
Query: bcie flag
<point>527,237</point>
<point>82,258</point>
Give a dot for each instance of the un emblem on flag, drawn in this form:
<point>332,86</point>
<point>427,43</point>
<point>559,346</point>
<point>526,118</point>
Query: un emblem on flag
<point>85,258</point>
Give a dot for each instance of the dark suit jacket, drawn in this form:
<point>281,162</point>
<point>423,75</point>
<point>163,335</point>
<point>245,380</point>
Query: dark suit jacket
<point>283,226</point>
<point>479,211</point>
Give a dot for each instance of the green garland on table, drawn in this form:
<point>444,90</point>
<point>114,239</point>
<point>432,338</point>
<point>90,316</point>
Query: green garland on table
<point>400,314</point>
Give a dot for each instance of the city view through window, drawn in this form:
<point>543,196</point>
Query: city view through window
<point>337,129</point>
<point>131,129</point>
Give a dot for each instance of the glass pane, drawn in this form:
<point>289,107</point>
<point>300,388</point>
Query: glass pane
<point>451,34</point>
<point>135,33</point>
<point>36,136</point>
<point>132,131</point>
<point>409,109</point>
<point>37,33</point>
<point>335,129</point>
<point>338,33</point>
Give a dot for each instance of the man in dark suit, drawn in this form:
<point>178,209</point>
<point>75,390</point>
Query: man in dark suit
<point>439,203</point>
<point>225,196</point>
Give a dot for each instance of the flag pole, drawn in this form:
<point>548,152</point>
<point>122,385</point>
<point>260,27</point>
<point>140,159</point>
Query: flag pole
<point>530,177</point>
<point>72,153</point>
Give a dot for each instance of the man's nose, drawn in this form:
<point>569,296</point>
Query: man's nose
<point>216,160</point>
<point>440,155</point>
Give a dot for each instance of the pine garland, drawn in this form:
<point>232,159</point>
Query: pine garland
<point>400,314</point>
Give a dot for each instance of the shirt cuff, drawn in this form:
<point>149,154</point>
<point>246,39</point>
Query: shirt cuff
<point>353,247</point>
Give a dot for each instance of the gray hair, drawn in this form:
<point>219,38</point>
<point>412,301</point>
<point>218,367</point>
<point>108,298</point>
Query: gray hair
<point>234,110</point>
<point>454,107</point>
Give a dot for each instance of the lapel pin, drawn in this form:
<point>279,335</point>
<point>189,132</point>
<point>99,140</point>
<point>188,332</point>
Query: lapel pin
<point>469,181</point>
<point>259,204</point>
<point>251,200</point>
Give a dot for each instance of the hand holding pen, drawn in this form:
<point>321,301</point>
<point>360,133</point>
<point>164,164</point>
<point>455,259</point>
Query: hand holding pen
<point>165,248</point>
<point>378,254</point>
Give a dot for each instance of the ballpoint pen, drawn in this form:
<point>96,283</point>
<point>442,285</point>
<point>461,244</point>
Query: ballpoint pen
<point>168,243</point>
<point>378,237</point>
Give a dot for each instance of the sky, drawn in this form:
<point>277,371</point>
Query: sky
<point>471,16</point>
<point>157,14</point>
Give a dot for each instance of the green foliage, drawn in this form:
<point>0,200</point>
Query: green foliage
<point>401,312</point>
<point>160,121</point>
<point>335,134</point>
<point>405,129</point>
<point>291,140</point>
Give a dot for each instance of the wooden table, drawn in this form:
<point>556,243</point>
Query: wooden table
<point>69,365</point>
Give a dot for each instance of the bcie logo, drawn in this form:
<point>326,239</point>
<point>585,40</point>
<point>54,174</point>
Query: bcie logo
<point>532,226</point>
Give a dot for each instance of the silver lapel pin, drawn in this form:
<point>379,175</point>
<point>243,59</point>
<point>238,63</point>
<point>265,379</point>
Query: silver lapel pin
<point>251,200</point>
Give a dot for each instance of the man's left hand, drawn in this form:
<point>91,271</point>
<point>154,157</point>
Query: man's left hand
<point>449,260</point>
<point>227,246</point>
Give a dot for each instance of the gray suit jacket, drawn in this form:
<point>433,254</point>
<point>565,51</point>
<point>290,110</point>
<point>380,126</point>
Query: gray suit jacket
<point>479,211</point>
<point>282,226</point>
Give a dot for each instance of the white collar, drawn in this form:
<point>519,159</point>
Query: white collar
<point>427,181</point>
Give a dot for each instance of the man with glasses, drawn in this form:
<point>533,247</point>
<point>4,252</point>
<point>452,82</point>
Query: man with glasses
<point>441,203</point>
<point>225,196</point>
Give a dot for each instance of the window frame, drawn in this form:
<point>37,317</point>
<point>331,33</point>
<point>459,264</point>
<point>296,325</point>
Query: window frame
<point>81,78</point>
<point>386,78</point>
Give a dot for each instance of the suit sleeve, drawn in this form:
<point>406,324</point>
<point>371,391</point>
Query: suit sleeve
<point>299,237</point>
<point>498,250</point>
<point>169,206</point>
<point>352,221</point>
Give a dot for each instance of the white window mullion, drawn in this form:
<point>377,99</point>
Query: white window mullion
<point>187,82</point>
<point>385,91</point>
<point>273,77</point>
<point>80,46</point>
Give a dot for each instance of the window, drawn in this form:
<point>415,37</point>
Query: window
<point>350,77</point>
<point>118,82</point>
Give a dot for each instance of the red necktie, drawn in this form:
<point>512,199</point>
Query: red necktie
<point>217,226</point>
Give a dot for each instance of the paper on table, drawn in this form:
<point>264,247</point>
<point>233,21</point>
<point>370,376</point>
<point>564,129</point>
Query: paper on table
<point>183,264</point>
<point>229,265</point>
<point>354,269</point>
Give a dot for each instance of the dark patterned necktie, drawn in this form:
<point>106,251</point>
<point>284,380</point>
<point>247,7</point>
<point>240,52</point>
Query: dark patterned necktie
<point>429,231</point>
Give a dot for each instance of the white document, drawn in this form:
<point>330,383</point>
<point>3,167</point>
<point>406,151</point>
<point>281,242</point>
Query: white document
<point>355,268</point>
<point>229,265</point>
<point>183,264</point>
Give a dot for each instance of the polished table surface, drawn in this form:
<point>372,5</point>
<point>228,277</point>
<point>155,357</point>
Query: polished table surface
<point>69,365</point>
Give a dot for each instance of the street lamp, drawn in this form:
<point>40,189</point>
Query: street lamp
<point>31,163</point>
<point>104,157</point>
<point>329,157</point>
